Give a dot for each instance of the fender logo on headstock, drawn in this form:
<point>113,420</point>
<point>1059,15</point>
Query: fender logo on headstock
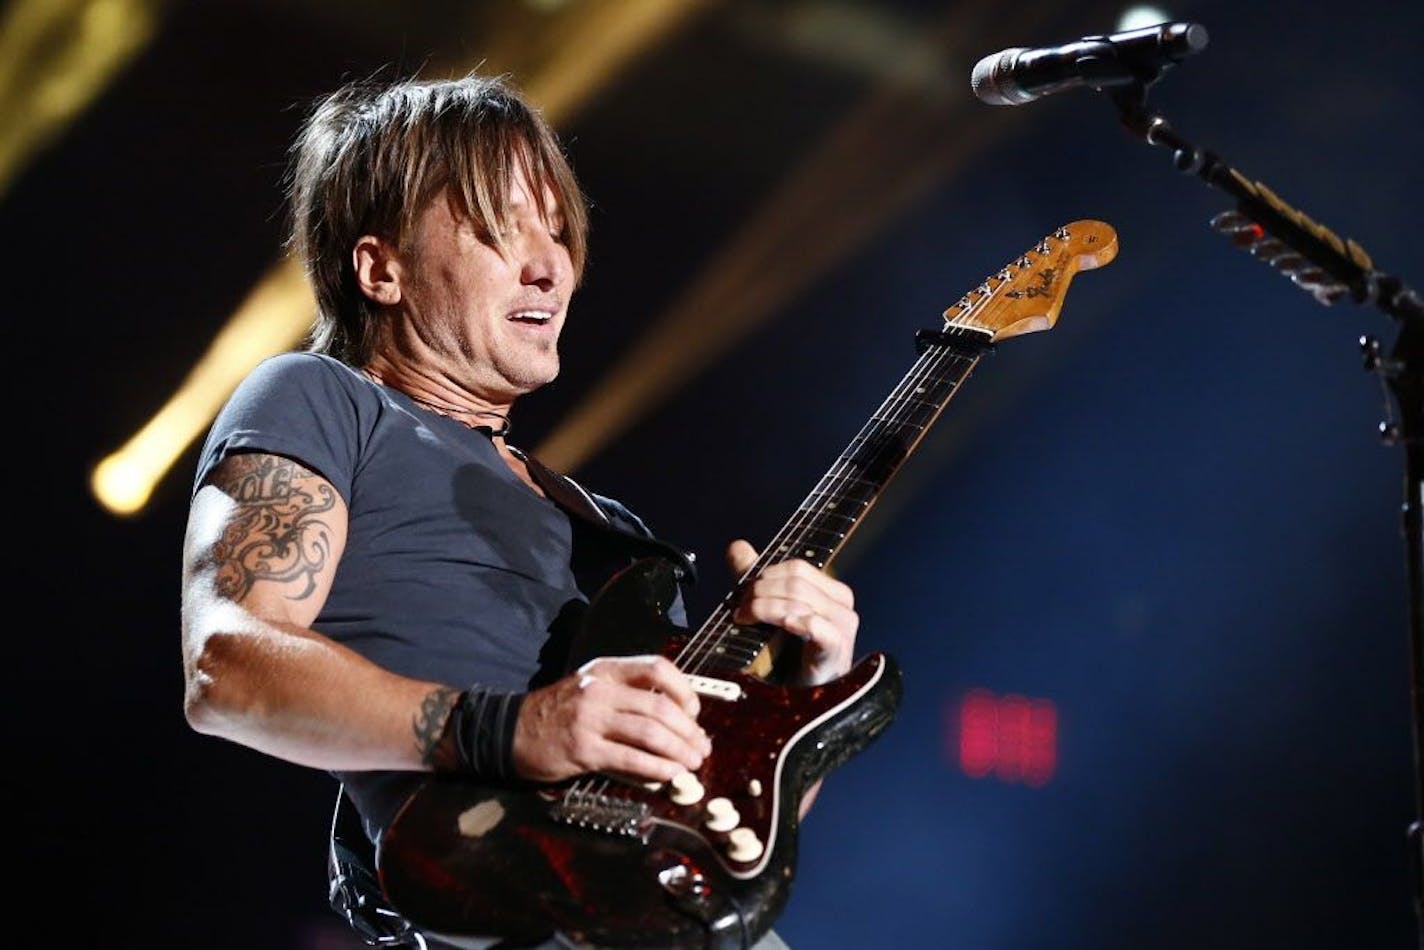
<point>1046,277</point>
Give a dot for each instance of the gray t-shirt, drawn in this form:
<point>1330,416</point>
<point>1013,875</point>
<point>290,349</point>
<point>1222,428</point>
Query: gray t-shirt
<point>454,570</point>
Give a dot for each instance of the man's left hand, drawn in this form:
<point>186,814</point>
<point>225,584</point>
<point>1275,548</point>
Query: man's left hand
<point>804,601</point>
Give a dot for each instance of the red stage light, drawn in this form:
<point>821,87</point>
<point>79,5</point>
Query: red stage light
<point>1014,738</point>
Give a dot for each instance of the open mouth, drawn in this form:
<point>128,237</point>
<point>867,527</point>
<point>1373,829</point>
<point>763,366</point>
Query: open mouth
<point>535,318</point>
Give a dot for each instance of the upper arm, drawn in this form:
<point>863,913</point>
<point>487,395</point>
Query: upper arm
<point>264,535</point>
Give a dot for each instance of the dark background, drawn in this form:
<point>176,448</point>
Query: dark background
<point>1172,516</point>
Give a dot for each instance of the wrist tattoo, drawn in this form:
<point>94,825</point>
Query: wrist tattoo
<point>430,728</point>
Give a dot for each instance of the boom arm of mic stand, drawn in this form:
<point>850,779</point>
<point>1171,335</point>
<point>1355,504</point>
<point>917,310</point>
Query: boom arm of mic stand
<point>1330,268</point>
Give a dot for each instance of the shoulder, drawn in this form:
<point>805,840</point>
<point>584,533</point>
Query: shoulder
<point>299,389</point>
<point>307,407</point>
<point>296,372</point>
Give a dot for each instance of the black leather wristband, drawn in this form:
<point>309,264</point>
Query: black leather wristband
<point>483,722</point>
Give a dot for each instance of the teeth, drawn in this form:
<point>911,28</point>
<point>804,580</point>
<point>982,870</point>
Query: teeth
<point>538,316</point>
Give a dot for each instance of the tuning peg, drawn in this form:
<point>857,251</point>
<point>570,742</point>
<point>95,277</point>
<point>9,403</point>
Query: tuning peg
<point>1326,292</point>
<point>1232,221</point>
<point>1370,350</point>
<point>1243,231</point>
<point>1269,250</point>
<point>1376,362</point>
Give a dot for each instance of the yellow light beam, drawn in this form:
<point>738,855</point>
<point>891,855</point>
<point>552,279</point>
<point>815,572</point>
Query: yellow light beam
<point>56,57</point>
<point>274,317</point>
<point>578,53</point>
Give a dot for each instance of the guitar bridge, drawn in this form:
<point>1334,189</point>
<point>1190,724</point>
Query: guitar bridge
<point>606,813</point>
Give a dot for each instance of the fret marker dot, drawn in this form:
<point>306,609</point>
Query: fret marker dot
<point>919,389</point>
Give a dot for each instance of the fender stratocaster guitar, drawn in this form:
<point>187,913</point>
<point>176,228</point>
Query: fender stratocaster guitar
<point>707,860</point>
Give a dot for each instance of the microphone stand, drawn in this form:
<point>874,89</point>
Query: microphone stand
<point>1330,269</point>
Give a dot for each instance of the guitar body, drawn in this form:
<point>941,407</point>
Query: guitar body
<point>613,863</point>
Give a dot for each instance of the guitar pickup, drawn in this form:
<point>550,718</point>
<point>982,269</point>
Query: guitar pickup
<point>715,688</point>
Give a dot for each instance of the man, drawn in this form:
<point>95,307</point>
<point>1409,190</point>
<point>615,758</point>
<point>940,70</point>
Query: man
<point>376,582</point>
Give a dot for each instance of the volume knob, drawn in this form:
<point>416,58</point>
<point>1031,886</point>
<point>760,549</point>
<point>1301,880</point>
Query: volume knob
<point>744,845</point>
<point>721,815</point>
<point>686,789</point>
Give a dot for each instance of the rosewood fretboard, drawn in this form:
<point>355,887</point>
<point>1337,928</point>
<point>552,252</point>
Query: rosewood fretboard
<point>820,526</point>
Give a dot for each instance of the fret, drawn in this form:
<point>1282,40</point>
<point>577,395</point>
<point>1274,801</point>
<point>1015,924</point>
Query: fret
<point>819,493</point>
<point>798,547</point>
<point>816,536</point>
<point>918,403</point>
<point>854,479</point>
<point>897,422</point>
<point>820,514</point>
<point>856,499</point>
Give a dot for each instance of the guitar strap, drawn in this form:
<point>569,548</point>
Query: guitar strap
<point>578,501</point>
<point>353,891</point>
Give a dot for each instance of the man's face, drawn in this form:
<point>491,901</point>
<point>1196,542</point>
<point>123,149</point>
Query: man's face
<point>489,322</point>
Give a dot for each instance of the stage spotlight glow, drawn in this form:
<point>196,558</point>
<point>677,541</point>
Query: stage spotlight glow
<point>273,318</point>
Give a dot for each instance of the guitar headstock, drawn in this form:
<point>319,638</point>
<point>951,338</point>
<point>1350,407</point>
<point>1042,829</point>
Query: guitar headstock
<point>1027,294</point>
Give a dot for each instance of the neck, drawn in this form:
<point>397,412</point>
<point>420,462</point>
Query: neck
<point>440,394</point>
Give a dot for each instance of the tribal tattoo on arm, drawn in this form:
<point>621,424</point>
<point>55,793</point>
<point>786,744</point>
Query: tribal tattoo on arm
<point>277,532</point>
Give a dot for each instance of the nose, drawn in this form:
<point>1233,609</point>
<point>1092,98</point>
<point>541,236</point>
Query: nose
<point>545,261</point>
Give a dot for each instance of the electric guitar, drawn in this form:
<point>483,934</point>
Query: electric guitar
<point>707,859</point>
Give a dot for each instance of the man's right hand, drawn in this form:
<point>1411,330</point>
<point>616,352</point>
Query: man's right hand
<point>632,715</point>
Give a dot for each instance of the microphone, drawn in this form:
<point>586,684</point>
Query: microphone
<point>1020,75</point>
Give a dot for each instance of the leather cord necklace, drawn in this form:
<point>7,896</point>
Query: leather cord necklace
<point>454,413</point>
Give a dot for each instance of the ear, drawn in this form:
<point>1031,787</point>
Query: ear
<point>378,269</point>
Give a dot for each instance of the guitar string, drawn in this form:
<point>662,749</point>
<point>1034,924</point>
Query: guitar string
<point>924,367</point>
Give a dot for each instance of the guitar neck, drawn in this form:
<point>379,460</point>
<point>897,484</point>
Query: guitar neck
<point>1023,297</point>
<point>824,521</point>
<point>820,526</point>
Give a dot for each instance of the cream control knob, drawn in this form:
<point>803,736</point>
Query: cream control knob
<point>744,845</point>
<point>686,790</point>
<point>721,815</point>
<point>754,788</point>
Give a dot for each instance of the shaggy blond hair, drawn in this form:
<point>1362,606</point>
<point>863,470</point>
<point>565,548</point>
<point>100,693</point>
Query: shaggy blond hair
<point>370,157</point>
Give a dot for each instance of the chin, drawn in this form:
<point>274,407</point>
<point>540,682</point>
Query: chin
<point>538,378</point>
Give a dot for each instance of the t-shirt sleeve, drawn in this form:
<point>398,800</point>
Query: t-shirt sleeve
<point>296,405</point>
